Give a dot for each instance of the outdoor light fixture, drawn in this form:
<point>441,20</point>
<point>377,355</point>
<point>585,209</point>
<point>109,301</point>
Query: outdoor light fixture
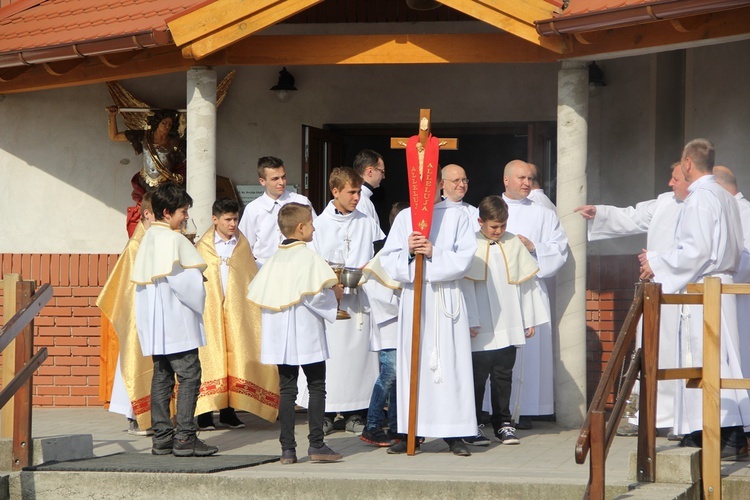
<point>596,76</point>
<point>284,88</point>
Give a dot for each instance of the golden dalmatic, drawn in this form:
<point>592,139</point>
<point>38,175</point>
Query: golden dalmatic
<point>232,372</point>
<point>117,303</point>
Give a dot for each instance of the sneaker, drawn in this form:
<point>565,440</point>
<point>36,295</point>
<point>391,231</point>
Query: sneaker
<point>507,435</point>
<point>355,424</point>
<point>478,440</point>
<point>288,457</point>
<point>164,448</point>
<point>400,447</point>
<point>376,437</point>
<point>134,430</point>
<point>229,418</point>
<point>206,421</point>
<point>323,454</point>
<point>192,447</point>
<point>339,423</point>
<point>524,423</point>
<point>458,447</point>
<point>327,426</point>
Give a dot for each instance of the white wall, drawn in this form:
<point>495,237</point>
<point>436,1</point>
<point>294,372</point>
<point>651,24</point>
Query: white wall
<point>65,185</point>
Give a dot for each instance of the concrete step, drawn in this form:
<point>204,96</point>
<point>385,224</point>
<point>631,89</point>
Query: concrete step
<point>47,449</point>
<point>128,486</point>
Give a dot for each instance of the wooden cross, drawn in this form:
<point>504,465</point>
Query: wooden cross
<point>400,143</point>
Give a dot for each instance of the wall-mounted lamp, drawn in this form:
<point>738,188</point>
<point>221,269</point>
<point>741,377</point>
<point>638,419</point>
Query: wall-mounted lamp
<point>596,76</point>
<point>284,88</point>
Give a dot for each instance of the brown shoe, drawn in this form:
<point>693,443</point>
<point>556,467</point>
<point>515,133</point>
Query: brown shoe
<point>323,454</point>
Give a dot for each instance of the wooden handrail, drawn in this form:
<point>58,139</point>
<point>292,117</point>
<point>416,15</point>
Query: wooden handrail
<point>598,403</point>
<point>24,316</point>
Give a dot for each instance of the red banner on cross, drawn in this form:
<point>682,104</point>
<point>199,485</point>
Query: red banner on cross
<point>422,181</point>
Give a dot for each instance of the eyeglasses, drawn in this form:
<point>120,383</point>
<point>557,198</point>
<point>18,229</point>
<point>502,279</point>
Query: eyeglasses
<point>456,182</point>
<point>381,170</point>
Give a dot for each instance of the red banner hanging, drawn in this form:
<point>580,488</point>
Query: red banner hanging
<point>422,181</point>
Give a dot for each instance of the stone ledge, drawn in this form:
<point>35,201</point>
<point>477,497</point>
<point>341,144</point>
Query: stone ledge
<point>47,449</point>
<point>674,465</point>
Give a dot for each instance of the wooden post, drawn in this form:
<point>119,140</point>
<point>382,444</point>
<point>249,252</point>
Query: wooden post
<point>398,143</point>
<point>711,388</point>
<point>9,356</point>
<point>646,471</point>
<point>24,348</point>
<point>598,455</point>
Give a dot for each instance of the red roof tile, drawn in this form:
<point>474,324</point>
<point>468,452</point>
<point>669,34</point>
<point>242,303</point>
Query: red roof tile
<point>31,24</point>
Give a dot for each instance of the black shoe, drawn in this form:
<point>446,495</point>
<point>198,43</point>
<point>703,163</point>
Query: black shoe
<point>458,447</point>
<point>206,421</point>
<point>163,448</point>
<point>323,454</point>
<point>692,440</point>
<point>192,447</point>
<point>288,456</point>
<point>376,437</point>
<point>229,418</point>
<point>400,447</point>
<point>524,423</point>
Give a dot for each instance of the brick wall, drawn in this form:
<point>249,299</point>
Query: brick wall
<point>68,326</point>
<point>610,284</point>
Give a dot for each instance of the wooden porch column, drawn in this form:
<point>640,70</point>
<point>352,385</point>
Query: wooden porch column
<point>570,313</point>
<point>201,144</point>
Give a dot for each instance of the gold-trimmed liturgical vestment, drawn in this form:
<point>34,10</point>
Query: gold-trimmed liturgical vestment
<point>117,303</point>
<point>232,372</point>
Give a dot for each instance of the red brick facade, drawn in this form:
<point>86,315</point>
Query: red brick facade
<point>69,325</point>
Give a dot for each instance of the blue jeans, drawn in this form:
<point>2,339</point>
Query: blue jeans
<point>384,390</point>
<point>187,366</point>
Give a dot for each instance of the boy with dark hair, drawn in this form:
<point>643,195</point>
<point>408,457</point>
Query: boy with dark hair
<point>169,305</point>
<point>233,376</point>
<point>297,293</point>
<point>259,221</point>
<point>504,303</point>
<point>369,165</point>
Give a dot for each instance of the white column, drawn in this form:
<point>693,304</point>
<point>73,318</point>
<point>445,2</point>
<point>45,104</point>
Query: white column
<point>201,144</point>
<point>570,371</point>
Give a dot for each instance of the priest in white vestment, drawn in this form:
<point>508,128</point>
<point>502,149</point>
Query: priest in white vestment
<point>539,229</point>
<point>258,222</point>
<point>708,242</point>
<point>657,218</point>
<point>352,368</point>
<point>726,178</point>
<point>446,389</point>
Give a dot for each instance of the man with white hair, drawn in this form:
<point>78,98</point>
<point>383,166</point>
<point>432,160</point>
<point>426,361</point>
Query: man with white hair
<point>708,243</point>
<point>540,231</point>
<point>658,218</point>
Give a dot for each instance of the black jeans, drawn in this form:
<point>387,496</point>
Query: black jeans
<point>498,365</point>
<point>316,386</point>
<point>187,366</point>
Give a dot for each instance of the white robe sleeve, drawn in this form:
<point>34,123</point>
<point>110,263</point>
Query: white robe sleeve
<point>322,304</point>
<point>688,260</point>
<point>534,308</point>
<point>449,264</point>
<point>614,222</point>
<point>552,252</point>
<point>384,302</point>
<point>187,286</point>
<point>394,256</point>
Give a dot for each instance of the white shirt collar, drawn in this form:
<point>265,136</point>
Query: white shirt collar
<point>218,239</point>
<point>267,203</point>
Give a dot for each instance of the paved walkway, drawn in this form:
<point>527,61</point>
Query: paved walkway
<point>546,453</point>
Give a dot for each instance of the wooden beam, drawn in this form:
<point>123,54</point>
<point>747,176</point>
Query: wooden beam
<point>499,14</point>
<point>735,383</point>
<point>662,36</point>
<point>385,49</point>
<point>682,298</point>
<point>679,373</point>
<point>244,26</point>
